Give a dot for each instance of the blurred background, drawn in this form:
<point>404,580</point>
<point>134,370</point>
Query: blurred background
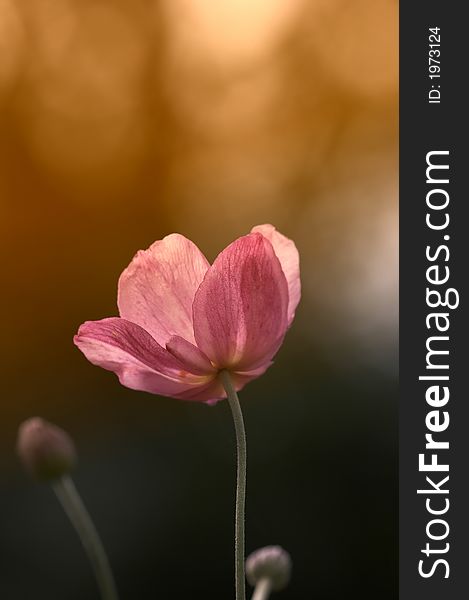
<point>122,121</point>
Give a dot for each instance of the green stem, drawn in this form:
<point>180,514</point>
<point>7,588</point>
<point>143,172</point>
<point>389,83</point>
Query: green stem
<point>75,509</point>
<point>240,483</point>
<point>262,589</point>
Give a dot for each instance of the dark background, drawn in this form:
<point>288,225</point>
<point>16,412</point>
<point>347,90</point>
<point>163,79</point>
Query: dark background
<point>121,122</point>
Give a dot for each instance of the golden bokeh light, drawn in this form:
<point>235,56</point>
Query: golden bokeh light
<point>121,122</point>
<point>232,34</point>
<point>356,42</point>
<point>11,44</point>
<point>81,99</point>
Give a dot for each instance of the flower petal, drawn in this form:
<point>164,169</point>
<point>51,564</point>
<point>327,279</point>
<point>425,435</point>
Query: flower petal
<point>241,378</point>
<point>289,258</point>
<point>139,361</point>
<point>157,289</point>
<point>210,393</point>
<point>240,308</point>
<point>190,355</point>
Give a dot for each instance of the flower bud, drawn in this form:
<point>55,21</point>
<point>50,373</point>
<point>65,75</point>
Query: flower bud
<point>45,450</point>
<point>272,563</point>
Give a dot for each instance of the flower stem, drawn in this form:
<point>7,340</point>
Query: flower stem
<point>240,483</point>
<point>262,589</point>
<point>75,509</point>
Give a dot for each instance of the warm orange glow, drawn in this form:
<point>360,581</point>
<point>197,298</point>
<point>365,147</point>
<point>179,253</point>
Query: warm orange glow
<point>231,31</point>
<point>357,43</point>
<point>121,122</point>
<point>11,43</point>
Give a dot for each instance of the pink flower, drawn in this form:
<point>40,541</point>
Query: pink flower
<point>182,320</point>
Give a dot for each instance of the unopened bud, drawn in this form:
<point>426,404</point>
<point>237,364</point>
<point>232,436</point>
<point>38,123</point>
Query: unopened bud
<point>45,450</point>
<point>272,563</point>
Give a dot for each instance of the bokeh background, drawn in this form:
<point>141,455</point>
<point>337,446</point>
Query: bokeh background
<point>122,121</point>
